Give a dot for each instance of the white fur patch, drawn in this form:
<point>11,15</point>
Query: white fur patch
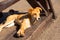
<point>10,25</point>
<point>28,23</point>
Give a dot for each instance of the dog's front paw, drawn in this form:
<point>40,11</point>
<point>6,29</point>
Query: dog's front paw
<point>20,33</point>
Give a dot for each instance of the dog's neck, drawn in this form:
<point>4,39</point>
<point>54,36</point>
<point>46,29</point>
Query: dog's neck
<point>32,19</point>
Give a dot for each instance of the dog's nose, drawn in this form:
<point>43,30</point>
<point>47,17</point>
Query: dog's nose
<point>38,18</point>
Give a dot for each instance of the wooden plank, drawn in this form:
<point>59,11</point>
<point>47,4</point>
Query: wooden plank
<point>6,4</point>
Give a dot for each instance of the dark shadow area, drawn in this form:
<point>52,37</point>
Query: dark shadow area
<point>4,15</point>
<point>17,28</point>
<point>42,14</point>
<point>16,36</point>
<point>1,14</point>
<point>33,3</point>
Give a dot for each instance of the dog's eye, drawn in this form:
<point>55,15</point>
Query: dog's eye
<point>34,14</point>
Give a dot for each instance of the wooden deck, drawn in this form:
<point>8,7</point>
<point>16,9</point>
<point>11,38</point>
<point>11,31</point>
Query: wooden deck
<point>35,33</point>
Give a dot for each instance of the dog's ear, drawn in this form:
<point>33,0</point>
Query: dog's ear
<point>30,10</point>
<point>39,8</point>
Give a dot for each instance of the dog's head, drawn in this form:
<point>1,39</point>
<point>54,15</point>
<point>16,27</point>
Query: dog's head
<point>35,12</point>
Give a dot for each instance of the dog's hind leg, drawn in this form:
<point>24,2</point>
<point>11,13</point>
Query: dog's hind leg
<point>9,20</point>
<point>7,24</point>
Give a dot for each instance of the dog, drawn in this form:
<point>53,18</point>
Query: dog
<point>23,19</point>
<point>26,23</point>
